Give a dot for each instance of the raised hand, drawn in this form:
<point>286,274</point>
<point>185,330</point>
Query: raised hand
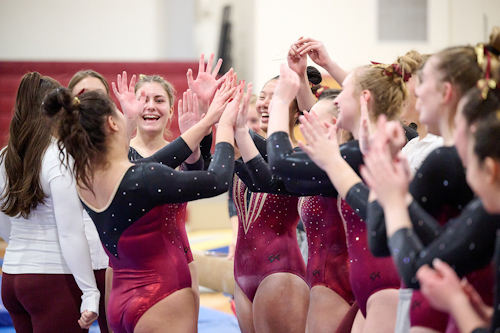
<point>230,114</point>
<point>241,119</point>
<point>188,111</point>
<point>321,147</point>
<point>86,319</point>
<point>296,61</point>
<point>315,49</point>
<point>221,99</point>
<point>287,86</point>
<point>206,82</point>
<point>387,177</point>
<point>131,106</point>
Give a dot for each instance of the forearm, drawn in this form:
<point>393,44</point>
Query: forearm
<point>195,134</point>
<point>278,117</point>
<point>305,97</point>
<point>73,241</point>
<point>246,146</point>
<point>342,176</point>
<point>225,133</point>
<point>396,216</point>
<point>194,157</point>
<point>336,71</point>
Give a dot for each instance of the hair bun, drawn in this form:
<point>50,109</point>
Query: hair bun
<point>313,75</point>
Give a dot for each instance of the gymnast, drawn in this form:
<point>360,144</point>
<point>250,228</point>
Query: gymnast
<point>151,279</point>
<point>82,81</point>
<point>385,94</point>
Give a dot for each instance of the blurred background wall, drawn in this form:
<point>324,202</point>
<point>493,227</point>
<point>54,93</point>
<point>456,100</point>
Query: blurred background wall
<point>261,30</point>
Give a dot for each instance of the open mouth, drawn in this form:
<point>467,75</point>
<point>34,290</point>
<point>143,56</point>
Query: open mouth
<point>150,118</point>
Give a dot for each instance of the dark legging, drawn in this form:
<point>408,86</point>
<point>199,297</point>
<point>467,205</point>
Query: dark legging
<point>42,303</point>
<point>100,278</point>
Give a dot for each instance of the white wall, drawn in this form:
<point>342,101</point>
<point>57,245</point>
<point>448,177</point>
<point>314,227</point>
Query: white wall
<point>100,30</point>
<point>263,30</point>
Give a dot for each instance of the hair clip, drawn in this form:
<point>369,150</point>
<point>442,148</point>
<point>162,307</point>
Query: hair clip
<point>142,76</point>
<point>76,101</point>
<point>485,85</point>
<point>390,69</point>
<point>479,49</point>
<point>81,92</point>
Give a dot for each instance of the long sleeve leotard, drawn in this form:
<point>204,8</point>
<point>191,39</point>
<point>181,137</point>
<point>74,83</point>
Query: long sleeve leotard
<point>178,211</point>
<point>367,274</point>
<point>139,235</point>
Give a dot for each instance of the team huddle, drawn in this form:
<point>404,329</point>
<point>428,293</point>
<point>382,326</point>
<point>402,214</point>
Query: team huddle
<point>396,181</point>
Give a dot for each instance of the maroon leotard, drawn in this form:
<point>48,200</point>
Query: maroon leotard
<point>141,236</point>
<point>180,214</point>
<point>328,259</point>
<point>368,274</point>
<point>267,239</point>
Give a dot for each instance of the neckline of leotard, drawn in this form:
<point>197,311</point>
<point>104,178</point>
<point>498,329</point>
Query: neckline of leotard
<point>111,198</point>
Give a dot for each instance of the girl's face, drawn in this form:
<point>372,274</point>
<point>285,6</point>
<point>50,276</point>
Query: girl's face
<point>262,104</point>
<point>157,110</point>
<point>480,180</point>
<point>429,95</point>
<point>409,114</point>
<point>461,131</point>
<point>347,105</point>
<point>89,83</point>
<point>253,118</point>
<point>322,110</point>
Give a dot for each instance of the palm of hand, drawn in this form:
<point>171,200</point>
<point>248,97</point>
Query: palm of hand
<point>188,120</point>
<point>204,86</point>
<point>130,105</point>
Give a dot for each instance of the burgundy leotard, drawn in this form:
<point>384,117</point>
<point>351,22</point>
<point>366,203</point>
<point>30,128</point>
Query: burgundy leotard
<point>141,238</point>
<point>367,273</point>
<point>179,213</point>
<point>267,239</point>
<point>328,260</point>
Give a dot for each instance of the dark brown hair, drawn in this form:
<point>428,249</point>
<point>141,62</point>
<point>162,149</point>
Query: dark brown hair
<point>79,76</point>
<point>487,137</point>
<point>29,137</point>
<point>81,129</point>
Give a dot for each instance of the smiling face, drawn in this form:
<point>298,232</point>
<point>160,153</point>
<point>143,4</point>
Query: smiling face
<point>429,95</point>
<point>262,104</point>
<point>348,105</point>
<point>157,111</point>
<point>89,83</point>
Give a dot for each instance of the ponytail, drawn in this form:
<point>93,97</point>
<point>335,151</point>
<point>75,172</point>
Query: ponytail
<point>81,128</point>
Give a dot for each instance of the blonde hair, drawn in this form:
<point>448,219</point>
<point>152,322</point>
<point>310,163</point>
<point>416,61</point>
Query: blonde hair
<point>387,86</point>
<point>169,87</point>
